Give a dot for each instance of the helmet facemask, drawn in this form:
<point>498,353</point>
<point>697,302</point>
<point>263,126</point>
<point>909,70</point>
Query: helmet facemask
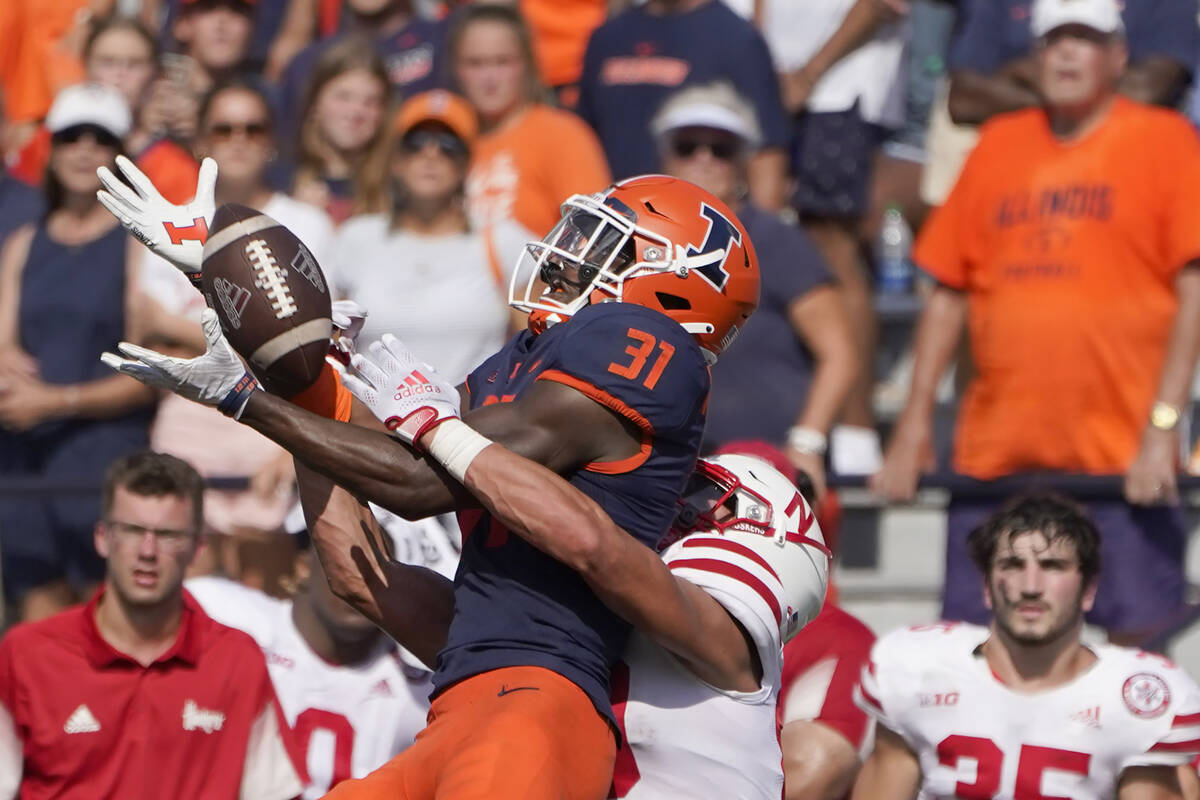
<point>602,242</point>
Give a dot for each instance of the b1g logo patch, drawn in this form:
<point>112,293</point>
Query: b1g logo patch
<point>1146,695</point>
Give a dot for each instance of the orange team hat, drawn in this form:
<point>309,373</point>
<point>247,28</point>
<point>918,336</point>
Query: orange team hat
<point>441,106</point>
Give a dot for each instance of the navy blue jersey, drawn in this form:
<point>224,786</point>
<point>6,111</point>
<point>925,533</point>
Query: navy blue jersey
<point>516,606</point>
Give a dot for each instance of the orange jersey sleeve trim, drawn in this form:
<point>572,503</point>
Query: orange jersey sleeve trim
<point>619,406</point>
<point>327,396</point>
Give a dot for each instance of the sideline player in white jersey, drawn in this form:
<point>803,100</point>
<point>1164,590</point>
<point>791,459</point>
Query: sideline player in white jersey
<point>352,699</point>
<point>1023,708</point>
<point>743,569</point>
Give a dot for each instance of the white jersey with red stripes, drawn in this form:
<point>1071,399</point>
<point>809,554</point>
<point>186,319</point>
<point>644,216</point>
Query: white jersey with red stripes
<point>683,737</point>
<point>346,720</point>
<point>975,737</point>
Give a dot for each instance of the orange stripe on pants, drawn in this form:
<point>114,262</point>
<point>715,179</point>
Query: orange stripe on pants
<point>518,733</point>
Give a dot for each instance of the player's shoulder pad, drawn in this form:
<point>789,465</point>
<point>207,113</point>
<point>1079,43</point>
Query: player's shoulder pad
<point>638,361</point>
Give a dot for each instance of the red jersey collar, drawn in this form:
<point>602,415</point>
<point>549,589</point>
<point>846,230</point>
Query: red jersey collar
<point>102,654</point>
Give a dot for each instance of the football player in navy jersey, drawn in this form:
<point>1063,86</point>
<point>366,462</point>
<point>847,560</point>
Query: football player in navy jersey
<point>631,296</point>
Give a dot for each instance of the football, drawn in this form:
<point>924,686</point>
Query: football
<point>270,295</point>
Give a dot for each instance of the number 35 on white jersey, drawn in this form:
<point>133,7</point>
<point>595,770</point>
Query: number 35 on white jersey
<point>976,738</point>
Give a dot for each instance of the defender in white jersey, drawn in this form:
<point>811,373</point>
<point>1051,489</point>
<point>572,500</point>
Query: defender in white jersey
<point>1023,709</point>
<point>352,698</point>
<point>744,568</point>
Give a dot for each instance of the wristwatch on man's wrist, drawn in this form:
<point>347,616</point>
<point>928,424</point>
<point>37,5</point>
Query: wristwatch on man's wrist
<point>1164,416</point>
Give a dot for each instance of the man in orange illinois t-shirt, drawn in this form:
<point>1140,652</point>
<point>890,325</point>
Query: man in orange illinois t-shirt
<point>1069,246</point>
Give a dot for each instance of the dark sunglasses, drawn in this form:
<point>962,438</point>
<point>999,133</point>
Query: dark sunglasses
<point>226,130</point>
<point>722,149</point>
<point>447,143</point>
<point>73,134</point>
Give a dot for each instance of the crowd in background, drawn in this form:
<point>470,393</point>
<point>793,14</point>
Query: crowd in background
<point>415,146</point>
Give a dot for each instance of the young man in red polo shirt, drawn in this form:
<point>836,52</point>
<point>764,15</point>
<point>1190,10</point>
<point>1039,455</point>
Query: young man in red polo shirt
<point>139,694</point>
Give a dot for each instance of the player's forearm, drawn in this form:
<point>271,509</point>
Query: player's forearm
<point>818,762</point>
<point>412,604</point>
<point>371,465</point>
<point>975,98</point>
<point>937,337</point>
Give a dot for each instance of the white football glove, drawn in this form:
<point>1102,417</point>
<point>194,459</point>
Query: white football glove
<point>348,318</point>
<point>217,378</point>
<point>175,232</point>
<point>407,396</point>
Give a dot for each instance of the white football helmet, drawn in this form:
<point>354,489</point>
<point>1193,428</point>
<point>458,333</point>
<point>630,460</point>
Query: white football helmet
<point>748,502</point>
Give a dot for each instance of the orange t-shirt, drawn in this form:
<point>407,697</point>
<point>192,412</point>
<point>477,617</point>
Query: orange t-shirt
<point>1068,254</point>
<point>23,78</point>
<point>561,29</point>
<point>527,169</point>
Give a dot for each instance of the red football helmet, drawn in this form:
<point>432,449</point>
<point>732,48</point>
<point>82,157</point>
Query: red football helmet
<point>654,241</point>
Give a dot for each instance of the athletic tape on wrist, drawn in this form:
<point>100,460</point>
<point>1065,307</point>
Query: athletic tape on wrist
<point>455,444</point>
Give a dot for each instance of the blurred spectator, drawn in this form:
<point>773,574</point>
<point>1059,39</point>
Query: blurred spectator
<point>66,296</point>
<point>560,35</point>
<point>215,36</point>
<point>424,257</point>
<point>530,157</point>
<point>24,88</point>
<point>236,129</point>
<point>785,377</point>
<point>337,675</point>
<point>20,203</point>
<point>268,18</point>
<point>1069,245</point>
<point>91,700</point>
<point>1109,722</point>
<point>992,60</point>
<point>341,153</point>
<point>842,79</point>
<point>122,53</point>
<point>643,54</point>
<point>410,47</point>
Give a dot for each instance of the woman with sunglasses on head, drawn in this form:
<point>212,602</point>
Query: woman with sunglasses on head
<point>341,152</point>
<point>236,129</point>
<point>426,274</point>
<point>786,377</point>
<point>65,297</point>
<point>529,155</point>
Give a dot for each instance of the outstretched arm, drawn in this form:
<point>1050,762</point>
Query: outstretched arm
<point>628,577</point>
<point>413,605</point>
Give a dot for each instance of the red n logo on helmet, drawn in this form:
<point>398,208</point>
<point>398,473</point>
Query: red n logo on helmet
<point>721,233</point>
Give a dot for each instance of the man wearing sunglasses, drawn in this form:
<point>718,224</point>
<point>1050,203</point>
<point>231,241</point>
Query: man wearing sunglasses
<point>130,695</point>
<point>787,377</point>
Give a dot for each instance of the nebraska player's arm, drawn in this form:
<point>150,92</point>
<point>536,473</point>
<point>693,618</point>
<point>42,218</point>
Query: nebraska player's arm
<point>412,604</point>
<point>560,520</point>
<point>550,423</point>
<point>818,761</point>
<point>891,772</point>
<point>1149,783</point>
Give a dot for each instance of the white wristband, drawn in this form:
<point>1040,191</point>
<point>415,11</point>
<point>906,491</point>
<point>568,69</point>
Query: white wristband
<point>807,440</point>
<point>455,444</point>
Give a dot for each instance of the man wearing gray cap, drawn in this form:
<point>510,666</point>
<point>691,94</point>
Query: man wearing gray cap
<point>785,378</point>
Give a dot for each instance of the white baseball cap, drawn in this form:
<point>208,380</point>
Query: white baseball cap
<point>1099,15</point>
<point>713,106</point>
<point>90,104</point>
